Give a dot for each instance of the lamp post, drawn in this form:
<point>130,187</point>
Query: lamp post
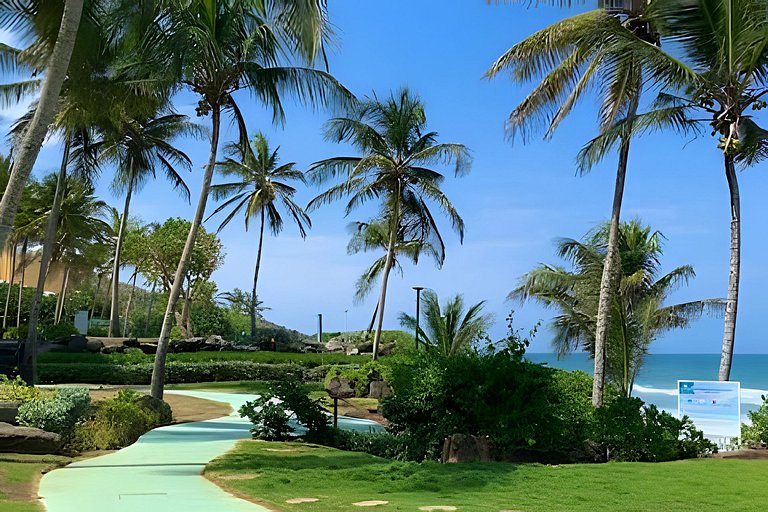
<point>346,329</point>
<point>418,307</point>
<point>320,328</point>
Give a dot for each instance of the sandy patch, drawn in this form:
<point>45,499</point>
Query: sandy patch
<point>370,503</point>
<point>294,501</point>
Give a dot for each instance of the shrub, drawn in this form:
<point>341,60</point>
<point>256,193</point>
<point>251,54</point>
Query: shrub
<point>360,377</point>
<point>16,333</point>
<point>57,413</point>
<point>98,331</point>
<point>516,403</point>
<point>634,432</point>
<point>380,444</point>
<point>119,421</point>
<point>272,412</point>
<point>60,331</point>
<point>757,432</point>
<point>175,334</point>
<point>16,390</point>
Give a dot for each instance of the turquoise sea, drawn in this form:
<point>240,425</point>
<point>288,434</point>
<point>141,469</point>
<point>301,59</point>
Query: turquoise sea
<point>657,381</point>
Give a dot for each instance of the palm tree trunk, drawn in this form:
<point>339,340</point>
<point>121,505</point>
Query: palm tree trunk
<point>128,306</point>
<point>383,295</point>
<point>114,316</point>
<point>256,277</point>
<point>373,319</point>
<point>28,366</point>
<point>21,280</point>
<point>734,271</point>
<point>158,372</point>
<point>26,152</point>
<point>149,308</point>
<point>184,318</point>
<point>607,281</point>
<point>105,302</point>
<point>10,285</point>
<point>62,296</point>
<point>96,295</point>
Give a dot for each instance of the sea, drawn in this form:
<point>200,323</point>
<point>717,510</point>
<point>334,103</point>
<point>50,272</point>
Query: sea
<point>657,380</point>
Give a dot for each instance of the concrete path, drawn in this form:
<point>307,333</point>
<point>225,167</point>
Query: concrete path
<point>161,472</point>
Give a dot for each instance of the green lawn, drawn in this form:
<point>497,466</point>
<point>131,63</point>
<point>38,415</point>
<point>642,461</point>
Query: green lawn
<point>275,472</point>
<point>250,387</point>
<point>19,475</point>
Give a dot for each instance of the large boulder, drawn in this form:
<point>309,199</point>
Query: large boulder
<point>464,448</point>
<point>379,389</point>
<point>77,343</point>
<point>27,440</point>
<point>339,387</point>
<point>94,346</point>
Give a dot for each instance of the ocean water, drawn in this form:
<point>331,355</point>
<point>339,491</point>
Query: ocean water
<point>657,381</point>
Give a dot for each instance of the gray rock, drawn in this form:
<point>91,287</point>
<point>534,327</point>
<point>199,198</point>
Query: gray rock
<point>339,387</point>
<point>335,345</point>
<point>8,412</point>
<point>352,351</point>
<point>27,440</point>
<point>379,389</point>
<point>464,448</point>
<point>77,343</point>
<point>94,346</point>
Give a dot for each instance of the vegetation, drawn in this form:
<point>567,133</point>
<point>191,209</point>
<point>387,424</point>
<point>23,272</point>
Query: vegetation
<point>19,475</point>
<point>396,149</point>
<point>275,472</point>
<point>640,309</point>
<point>756,433</point>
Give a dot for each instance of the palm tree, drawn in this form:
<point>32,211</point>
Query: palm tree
<point>55,33</point>
<point>260,187</point>
<point>639,313</point>
<point>721,42</point>
<point>219,47</point>
<point>453,328</point>
<point>617,54</point>
<point>139,147</point>
<point>396,149</point>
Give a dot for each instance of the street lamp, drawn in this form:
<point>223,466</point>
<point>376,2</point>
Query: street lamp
<point>320,328</point>
<point>346,329</point>
<point>418,307</point>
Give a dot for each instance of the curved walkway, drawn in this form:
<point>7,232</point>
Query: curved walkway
<point>162,471</point>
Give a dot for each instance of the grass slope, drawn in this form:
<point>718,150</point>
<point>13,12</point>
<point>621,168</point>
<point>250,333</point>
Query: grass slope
<point>274,472</point>
<point>19,476</point>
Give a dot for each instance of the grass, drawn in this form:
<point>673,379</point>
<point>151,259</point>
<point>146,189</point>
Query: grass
<point>19,476</point>
<point>249,387</point>
<point>274,472</point>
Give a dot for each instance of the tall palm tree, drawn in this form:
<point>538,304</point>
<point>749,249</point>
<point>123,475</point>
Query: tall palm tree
<point>219,47</point>
<point>260,188</point>
<point>53,30</point>
<point>139,147</point>
<point>617,55</point>
<point>396,148</point>
<point>639,310</point>
<point>721,44</point>
<point>450,329</point>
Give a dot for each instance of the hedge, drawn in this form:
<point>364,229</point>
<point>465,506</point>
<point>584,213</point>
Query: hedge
<point>176,372</point>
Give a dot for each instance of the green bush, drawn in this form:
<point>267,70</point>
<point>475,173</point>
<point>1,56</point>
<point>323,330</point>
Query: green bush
<point>634,432</point>
<point>757,432</point>
<point>380,444</point>
<point>361,376</point>
<point>516,403</point>
<point>118,422</point>
<point>16,390</point>
<point>57,413</point>
<point>176,372</point>
<point>60,331</point>
<point>16,333</point>
<point>272,412</point>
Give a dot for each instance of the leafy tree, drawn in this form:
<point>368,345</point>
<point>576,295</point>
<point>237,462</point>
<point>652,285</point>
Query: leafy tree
<point>218,47</point>
<point>452,329</point>
<point>396,148</point>
<point>640,313</point>
<point>260,188</point>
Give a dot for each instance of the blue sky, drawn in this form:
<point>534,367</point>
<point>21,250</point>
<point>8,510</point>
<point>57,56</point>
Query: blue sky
<point>516,201</point>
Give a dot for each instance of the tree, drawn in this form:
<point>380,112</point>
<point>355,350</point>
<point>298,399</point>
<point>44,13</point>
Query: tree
<point>452,329</point>
<point>139,147</point>
<point>164,246</point>
<point>617,54</point>
<point>30,16</point>
<point>260,188</point>
<point>219,47</point>
<point>639,310</point>
<point>396,148</point>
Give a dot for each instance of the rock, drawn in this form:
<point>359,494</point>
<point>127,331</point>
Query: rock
<point>370,503</point>
<point>365,347</point>
<point>352,351</point>
<point>464,448</point>
<point>335,345</point>
<point>94,346</point>
<point>339,387</point>
<point>8,412</point>
<point>77,343</point>
<point>131,343</point>
<point>27,440</point>
<point>114,349</point>
<point>148,348</point>
<point>379,389</point>
<point>387,349</point>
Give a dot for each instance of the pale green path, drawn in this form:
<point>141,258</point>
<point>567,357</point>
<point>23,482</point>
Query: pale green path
<point>161,472</point>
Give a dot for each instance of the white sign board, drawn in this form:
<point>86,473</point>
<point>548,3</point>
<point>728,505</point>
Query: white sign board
<point>713,406</point>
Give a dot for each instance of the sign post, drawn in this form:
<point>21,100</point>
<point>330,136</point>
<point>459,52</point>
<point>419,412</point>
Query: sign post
<point>713,406</point>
